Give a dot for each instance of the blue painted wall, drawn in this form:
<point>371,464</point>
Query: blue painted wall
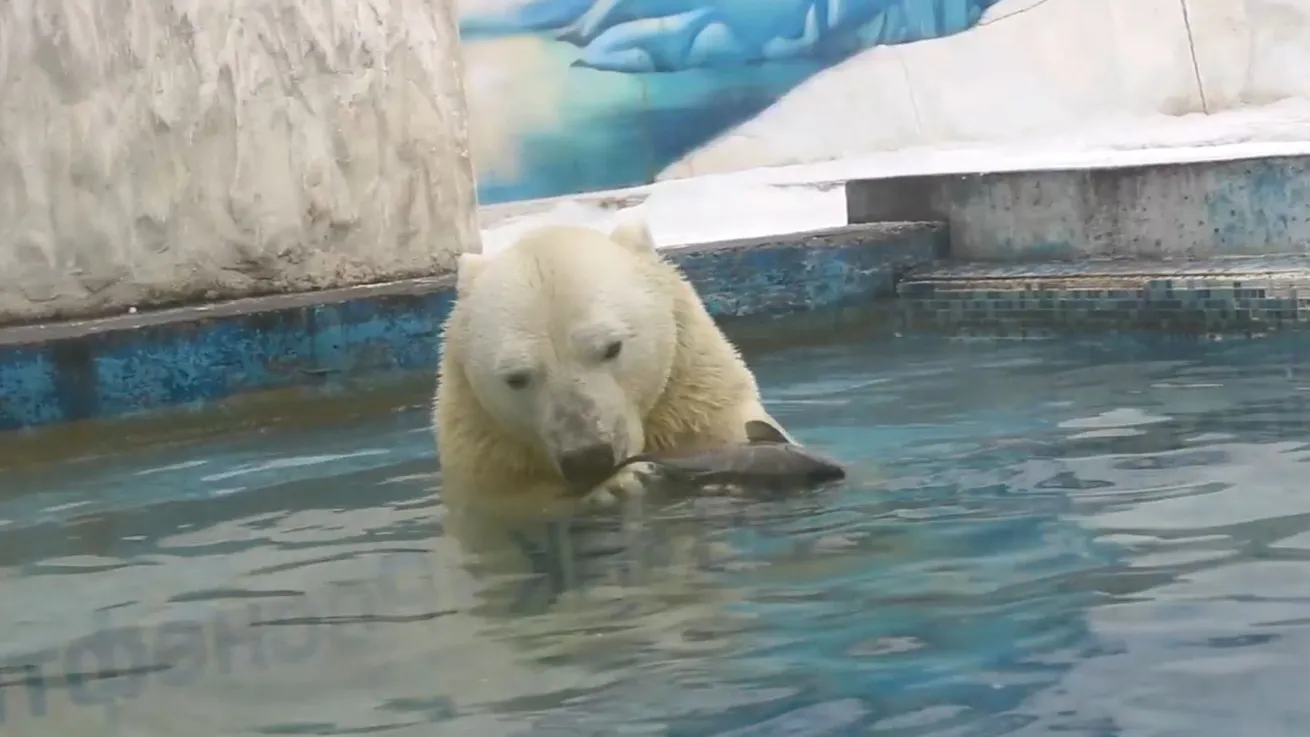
<point>628,87</point>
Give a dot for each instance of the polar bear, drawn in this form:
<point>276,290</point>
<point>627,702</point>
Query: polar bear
<point>569,351</point>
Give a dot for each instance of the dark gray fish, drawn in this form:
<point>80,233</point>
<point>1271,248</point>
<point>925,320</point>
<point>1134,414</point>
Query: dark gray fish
<point>766,461</point>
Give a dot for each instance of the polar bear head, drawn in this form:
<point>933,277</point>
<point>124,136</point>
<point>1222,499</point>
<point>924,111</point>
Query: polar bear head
<point>566,339</point>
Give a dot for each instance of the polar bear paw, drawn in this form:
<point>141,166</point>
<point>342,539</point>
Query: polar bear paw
<point>630,481</point>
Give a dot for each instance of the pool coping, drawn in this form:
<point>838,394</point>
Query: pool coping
<point>192,357</point>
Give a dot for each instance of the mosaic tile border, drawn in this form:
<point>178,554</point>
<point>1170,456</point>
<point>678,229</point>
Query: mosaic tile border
<point>1215,297</point>
<point>328,341</point>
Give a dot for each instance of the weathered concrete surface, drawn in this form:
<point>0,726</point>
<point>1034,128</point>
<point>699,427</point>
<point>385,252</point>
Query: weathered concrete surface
<point>156,153</point>
<point>1201,209</point>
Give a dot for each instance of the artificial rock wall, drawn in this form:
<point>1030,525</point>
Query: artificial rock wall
<point>164,152</point>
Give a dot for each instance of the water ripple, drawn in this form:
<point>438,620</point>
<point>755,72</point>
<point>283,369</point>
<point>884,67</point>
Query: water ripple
<point>1039,537</point>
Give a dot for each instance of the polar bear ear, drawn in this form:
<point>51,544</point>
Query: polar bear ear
<point>634,235</point>
<point>470,265</point>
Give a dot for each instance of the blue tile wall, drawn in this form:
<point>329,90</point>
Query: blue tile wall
<point>1203,297</point>
<point>189,357</point>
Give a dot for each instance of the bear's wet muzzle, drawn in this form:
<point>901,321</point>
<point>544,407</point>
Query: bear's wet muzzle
<point>587,467</point>
<point>584,447</point>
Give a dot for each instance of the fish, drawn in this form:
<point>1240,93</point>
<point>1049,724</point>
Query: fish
<point>766,461</point>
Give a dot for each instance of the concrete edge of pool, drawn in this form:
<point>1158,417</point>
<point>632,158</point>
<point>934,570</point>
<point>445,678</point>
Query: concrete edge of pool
<point>194,356</point>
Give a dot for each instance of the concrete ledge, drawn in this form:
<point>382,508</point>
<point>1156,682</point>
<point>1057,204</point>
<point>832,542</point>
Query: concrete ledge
<point>1196,209</point>
<point>324,341</point>
<point>1214,297</point>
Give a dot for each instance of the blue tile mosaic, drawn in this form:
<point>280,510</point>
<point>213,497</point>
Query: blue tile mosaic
<point>189,357</point>
<point>1204,297</point>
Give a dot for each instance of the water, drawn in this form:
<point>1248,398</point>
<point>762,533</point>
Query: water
<point>1050,537</point>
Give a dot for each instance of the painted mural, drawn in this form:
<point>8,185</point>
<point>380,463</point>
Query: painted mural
<point>571,96</point>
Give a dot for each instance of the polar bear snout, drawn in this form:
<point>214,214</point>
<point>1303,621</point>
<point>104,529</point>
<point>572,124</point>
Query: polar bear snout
<point>588,466</point>
<point>584,442</point>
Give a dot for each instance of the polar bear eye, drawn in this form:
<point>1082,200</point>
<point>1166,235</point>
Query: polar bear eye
<point>518,379</point>
<point>613,349</point>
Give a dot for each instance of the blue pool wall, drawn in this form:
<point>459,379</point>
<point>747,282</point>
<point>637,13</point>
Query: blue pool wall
<point>1212,246</point>
<point>192,357</point>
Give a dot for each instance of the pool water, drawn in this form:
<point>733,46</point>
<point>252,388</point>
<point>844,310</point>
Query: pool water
<point>1040,537</point>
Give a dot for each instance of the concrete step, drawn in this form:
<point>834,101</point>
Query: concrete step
<point>1160,210</point>
<point>1215,296</point>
